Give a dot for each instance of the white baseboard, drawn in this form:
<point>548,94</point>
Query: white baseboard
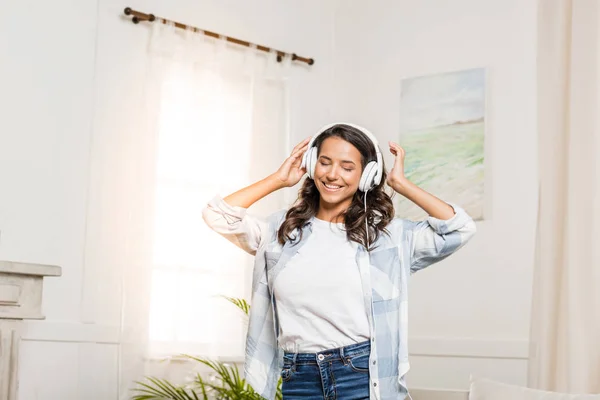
<point>469,348</point>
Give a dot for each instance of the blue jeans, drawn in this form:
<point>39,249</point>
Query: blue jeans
<point>341,373</point>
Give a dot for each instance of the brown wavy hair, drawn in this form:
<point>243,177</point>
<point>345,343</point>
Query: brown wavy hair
<point>380,209</point>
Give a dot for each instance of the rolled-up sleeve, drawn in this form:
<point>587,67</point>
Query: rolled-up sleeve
<point>235,224</point>
<point>434,239</point>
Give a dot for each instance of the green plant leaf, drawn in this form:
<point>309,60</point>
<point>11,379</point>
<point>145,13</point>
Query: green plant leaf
<point>160,389</point>
<point>240,303</point>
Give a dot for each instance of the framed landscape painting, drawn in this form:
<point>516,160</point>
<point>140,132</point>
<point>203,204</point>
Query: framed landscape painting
<point>442,129</point>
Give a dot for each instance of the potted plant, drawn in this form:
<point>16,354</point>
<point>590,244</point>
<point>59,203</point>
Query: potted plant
<point>226,384</point>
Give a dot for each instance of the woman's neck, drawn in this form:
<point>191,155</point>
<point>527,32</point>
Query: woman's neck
<point>331,212</point>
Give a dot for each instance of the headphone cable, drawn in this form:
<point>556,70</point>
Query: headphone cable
<point>366,219</point>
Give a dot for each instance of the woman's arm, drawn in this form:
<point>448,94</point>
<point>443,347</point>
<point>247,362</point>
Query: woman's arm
<point>432,205</point>
<point>228,217</point>
<point>396,180</point>
<point>447,229</point>
<point>251,194</point>
<point>287,175</point>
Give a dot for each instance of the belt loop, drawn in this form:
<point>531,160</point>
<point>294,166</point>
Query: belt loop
<point>343,356</point>
<point>294,359</point>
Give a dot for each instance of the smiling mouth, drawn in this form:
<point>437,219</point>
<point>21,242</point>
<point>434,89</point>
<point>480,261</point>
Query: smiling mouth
<point>331,188</point>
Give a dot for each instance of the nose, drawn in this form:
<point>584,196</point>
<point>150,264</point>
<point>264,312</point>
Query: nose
<point>332,173</point>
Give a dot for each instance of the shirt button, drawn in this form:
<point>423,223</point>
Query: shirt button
<point>374,362</point>
<point>321,357</point>
<point>375,384</point>
<point>372,339</point>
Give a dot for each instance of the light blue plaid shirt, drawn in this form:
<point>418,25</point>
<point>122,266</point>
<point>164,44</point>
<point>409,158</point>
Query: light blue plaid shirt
<point>410,247</point>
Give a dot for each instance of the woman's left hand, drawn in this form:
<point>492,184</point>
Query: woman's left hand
<point>396,176</point>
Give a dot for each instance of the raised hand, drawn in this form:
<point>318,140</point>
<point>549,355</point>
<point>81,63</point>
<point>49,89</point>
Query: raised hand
<point>290,171</point>
<point>396,176</point>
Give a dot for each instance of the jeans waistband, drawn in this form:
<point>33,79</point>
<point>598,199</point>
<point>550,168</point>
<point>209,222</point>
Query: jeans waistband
<point>338,353</point>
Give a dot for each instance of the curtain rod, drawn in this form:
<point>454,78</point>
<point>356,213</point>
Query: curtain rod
<point>140,16</point>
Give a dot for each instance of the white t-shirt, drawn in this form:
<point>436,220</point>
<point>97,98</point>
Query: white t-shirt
<point>319,294</point>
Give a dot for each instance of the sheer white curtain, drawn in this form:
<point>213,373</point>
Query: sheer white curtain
<point>565,326</point>
<point>214,118</point>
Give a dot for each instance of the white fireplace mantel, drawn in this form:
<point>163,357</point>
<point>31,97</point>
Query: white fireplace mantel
<point>21,287</point>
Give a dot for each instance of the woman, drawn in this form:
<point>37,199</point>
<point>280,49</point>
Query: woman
<point>329,290</point>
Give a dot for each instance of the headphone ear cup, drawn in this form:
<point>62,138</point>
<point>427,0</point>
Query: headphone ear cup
<point>311,161</point>
<point>368,176</point>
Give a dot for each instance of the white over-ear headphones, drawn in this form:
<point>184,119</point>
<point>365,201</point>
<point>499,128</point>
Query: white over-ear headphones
<point>371,175</point>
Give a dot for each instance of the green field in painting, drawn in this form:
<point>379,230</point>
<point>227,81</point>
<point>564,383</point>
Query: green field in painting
<point>448,162</point>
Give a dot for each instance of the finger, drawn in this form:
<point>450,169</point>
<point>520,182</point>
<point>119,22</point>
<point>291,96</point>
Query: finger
<point>297,154</point>
<point>395,146</point>
<point>399,149</point>
<point>299,150</point>
<point>301,144</point>
<point>296,158</point>
<point>399,155</point>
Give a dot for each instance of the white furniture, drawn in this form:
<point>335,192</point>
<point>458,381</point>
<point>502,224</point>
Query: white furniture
<point>487,389</point>
<point>20,298</point>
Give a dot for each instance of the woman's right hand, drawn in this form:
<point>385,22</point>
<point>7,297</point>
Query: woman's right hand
<point>290,171</point>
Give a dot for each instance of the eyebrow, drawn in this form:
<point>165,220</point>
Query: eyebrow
<point>343,161</point>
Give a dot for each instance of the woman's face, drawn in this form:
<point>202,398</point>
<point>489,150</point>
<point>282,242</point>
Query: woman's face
<point>338,171</point>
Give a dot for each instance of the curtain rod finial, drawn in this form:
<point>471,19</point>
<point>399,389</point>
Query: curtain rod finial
<point>127,11</point>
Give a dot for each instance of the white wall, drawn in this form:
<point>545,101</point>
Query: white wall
<point>469,313</point>
<point>68,74</point>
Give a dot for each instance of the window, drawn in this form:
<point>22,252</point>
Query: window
<point>205,146</point>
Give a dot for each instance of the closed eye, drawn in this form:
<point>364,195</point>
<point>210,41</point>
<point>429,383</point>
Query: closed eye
<point>326,164</point>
